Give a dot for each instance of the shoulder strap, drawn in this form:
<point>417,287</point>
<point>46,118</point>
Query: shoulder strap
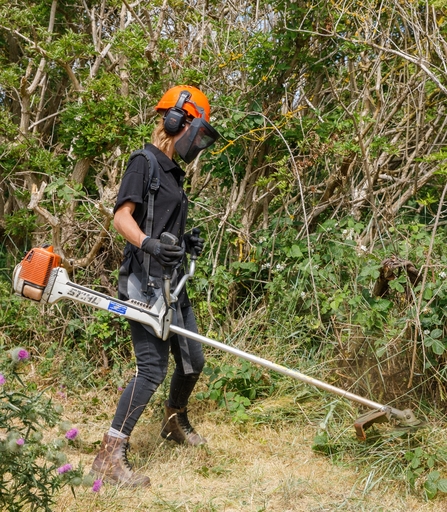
<point>153,182</point>
<point>151,187</point>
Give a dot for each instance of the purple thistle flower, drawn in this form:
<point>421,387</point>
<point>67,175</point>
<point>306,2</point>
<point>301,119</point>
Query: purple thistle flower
<point>97,484</point>
<point>2,379</point>
<point>72,433</point>
<point>23,355</point>
<point>20,441</point>
<point>18,355</point>
<point>64,469</point>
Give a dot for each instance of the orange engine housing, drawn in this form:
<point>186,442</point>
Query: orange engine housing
<point>37,266</point>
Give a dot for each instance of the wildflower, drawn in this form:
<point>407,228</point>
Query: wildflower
<point>120,388</point>
<point>97,484</point>
<point>13,442</point>
<point>18,354</point>
<point>427,332</point>
<point>22,355</point>
<point>72,433</point>
<point>2,379</point>
<point>442,275</point>
<point>363,248</point>
<point>64,469</point>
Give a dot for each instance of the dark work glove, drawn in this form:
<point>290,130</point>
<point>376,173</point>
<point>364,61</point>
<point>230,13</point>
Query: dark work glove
<point>194,244</point>
<point>167,255</point>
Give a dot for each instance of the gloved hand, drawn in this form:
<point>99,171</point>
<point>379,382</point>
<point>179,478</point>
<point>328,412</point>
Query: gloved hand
<point>194,244</point>
<point>166,255</point>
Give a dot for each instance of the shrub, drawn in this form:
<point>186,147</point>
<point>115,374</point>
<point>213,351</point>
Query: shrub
<point>32,469</point>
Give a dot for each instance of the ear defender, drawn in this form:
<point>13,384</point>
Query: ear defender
<point>175,118</point>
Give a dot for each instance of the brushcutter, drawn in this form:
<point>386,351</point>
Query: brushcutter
<point>40,277</point>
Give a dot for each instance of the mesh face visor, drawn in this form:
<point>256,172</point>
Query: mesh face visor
<point>199,136</point>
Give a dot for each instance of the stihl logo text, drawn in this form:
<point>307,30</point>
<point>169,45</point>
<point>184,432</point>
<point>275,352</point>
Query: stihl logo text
<point>83,296</point>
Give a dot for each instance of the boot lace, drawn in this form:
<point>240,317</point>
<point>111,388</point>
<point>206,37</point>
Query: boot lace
<point>183,421</point>
<point>126,448</point>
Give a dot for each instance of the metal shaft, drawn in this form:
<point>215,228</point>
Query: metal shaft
<point>285,371</point>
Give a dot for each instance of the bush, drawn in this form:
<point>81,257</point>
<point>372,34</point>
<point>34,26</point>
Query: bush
<point>32,468</point>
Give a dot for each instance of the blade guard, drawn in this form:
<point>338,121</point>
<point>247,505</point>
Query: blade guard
<point>31,275</point>
<point>366,420</point>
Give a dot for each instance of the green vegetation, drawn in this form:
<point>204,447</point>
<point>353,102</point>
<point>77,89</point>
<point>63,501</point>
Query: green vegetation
<point>322,206</point>
<point>33,468</point>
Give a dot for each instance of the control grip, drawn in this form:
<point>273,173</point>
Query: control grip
<point>168,238</point>
<point>195,232</point>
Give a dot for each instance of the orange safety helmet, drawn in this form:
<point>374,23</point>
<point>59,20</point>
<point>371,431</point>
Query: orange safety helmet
<point>171,97</point>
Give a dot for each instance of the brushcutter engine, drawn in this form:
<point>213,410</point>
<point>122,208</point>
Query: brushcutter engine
<point>32,274</point>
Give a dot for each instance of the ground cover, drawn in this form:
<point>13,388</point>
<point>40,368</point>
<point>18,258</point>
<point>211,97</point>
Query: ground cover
<point>250,467</point>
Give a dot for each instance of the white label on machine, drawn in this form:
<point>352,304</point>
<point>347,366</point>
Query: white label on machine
<point>117,308</point>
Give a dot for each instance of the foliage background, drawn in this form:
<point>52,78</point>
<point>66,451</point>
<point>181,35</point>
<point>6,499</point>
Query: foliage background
<point>332,158</point>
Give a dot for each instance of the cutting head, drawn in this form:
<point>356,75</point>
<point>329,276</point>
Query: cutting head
<point>406,419</point>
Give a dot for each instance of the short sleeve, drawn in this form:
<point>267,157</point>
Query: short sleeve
<point>132,184</point>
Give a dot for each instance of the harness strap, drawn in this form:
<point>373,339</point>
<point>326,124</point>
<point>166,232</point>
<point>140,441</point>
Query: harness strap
<point>151,189</point>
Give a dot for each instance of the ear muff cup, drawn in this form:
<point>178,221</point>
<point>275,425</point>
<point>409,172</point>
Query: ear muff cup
<point>174,120</point>
<point>175,117</point>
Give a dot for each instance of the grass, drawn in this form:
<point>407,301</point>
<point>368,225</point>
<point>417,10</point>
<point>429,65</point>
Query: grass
<point>296,451</point>
<point>266,464</point>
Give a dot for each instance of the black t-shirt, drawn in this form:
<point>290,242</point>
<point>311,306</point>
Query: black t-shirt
<point>170,205</point>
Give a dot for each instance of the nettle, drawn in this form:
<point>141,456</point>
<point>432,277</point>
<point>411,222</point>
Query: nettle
<point>33,466</point>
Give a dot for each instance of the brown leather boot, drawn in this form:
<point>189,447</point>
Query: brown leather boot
<point>176,427</point>
<point>111,464</point>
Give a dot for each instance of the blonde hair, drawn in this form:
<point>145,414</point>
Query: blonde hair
<point>160,138</point>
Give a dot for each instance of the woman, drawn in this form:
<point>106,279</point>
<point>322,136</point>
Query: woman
<point>183,130</point>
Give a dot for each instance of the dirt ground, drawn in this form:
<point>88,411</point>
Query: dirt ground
<point>241,469</point>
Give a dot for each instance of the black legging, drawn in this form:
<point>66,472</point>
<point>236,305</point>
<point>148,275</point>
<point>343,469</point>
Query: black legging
<point>152,357</point>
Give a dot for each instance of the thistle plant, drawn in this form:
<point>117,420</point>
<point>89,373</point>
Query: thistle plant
<point>32,468</point>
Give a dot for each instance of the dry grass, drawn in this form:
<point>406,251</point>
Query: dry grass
<point>243,468</point>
